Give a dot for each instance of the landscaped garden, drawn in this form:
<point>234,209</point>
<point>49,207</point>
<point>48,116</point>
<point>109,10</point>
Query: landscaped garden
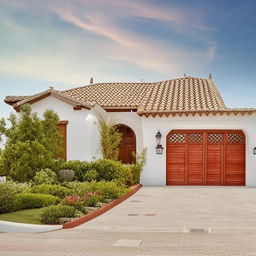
<point>42,188</point>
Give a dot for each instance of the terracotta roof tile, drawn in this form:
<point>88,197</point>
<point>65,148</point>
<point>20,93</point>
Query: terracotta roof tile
<point>182,95</point>
<point>14,99</point>
<point>178,94</point>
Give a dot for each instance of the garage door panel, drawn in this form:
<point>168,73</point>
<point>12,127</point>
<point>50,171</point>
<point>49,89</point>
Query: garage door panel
<point>176,167</point>
<point>179,158</point>
<point>206,157</point>
<point>234,167</point>
<point>195,154</point>
<point>214,166</point>
<point>176,182</point>
<point>234,179</point>
<point>195,174</point>
<point>176,175</point>
<point>195,180</point>
<point>213,179</point>
<point>176,154</point>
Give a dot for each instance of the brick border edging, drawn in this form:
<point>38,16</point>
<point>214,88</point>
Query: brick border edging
<point>101,210</point>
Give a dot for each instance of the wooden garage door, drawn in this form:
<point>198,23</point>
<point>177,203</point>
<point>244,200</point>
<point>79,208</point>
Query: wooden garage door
<point>205,157</point>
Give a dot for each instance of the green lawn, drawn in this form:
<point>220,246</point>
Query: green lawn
<point>30,216</point>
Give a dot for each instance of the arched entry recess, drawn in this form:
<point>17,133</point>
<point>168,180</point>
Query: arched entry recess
<point>128,144</point>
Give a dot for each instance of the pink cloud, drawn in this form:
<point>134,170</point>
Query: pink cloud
<point>133,47</point>
<point>104,18</point>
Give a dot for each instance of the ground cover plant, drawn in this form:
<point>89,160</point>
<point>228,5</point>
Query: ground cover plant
<point>54,190</point>
<point>83,197</point>
<point>95,184</point>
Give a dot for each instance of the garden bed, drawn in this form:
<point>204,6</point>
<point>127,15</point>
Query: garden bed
<point>32,216</point>
<point>101,210</point>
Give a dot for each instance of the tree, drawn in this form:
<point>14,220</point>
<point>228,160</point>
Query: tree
<point>31,144</point>
<point>110,140</point>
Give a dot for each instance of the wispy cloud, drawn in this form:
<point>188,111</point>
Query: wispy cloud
<point>107,19</point>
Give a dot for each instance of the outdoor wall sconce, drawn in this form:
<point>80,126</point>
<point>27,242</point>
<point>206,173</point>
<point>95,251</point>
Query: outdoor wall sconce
<point>254,151</point>
<point>159,147</point>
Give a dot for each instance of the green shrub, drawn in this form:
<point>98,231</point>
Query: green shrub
<point>8,191</point>
<point>110,139</point>
<point>55,190</point>
<point>91,175</point>
<point>30,201</point>
<point>108,190</point>
<point>80,168</point>
<point>45,176</point>
<point>66,175</point>
<point>103,169</point>
<point>93,200</point>
<point>32,143</point>
<point>109,170</point>
<point>136,168</point>
<point>53,213</point>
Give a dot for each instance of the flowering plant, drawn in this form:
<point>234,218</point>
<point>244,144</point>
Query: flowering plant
<point>71,200</point>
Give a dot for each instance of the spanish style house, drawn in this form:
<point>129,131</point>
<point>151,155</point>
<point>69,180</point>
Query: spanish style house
<point>191,137</point>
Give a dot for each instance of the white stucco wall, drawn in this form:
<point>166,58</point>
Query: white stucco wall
<point>82,129</point>
<point>83,135</point>
<point>79,128</point>
<point>154,172</point>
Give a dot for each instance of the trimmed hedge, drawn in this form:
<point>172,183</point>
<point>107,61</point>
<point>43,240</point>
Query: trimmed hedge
<point>103,169</point>
<point>30,201</point>
<point>109,170</point>
<point>53,213</point>
<point>8,191</point>
<point>55,190</point>
<point>108,190</point>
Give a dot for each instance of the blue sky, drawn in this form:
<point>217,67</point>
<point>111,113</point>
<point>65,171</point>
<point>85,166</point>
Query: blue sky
<point>62,43</point>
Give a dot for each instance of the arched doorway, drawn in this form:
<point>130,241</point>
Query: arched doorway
<point>128,144</point>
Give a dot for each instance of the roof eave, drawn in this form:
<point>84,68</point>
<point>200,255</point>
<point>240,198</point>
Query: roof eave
<point>77,105</point>
<point>197,112</point>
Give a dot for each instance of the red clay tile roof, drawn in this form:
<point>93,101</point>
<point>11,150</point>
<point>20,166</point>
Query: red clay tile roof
<point>181,96</point>
<point>14,99</point>
<point>178,94</point>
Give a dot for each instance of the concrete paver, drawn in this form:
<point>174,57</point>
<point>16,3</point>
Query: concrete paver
<point>157,217</point>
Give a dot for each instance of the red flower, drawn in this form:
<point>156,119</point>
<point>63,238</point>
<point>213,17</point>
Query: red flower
<point>71,199</point>
<point>94,193</point>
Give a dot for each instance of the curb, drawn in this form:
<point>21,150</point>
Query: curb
<point>101,210</point>
<point>15,227</point>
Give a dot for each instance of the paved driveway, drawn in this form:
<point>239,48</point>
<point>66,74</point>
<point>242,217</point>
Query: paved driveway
<point>152,222</point>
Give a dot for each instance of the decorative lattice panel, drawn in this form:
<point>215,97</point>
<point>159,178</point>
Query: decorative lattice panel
<point>196,137</point>
<point>178,138</point>
<point>215,137</point>
<point>235,138</point>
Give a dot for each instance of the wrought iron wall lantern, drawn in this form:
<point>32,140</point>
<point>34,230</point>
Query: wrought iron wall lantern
<point>159,147</point>
<point>254,151</point>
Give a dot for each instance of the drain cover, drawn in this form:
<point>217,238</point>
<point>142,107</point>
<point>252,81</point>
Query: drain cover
<point>133,214</point>
<point>199,230</point>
